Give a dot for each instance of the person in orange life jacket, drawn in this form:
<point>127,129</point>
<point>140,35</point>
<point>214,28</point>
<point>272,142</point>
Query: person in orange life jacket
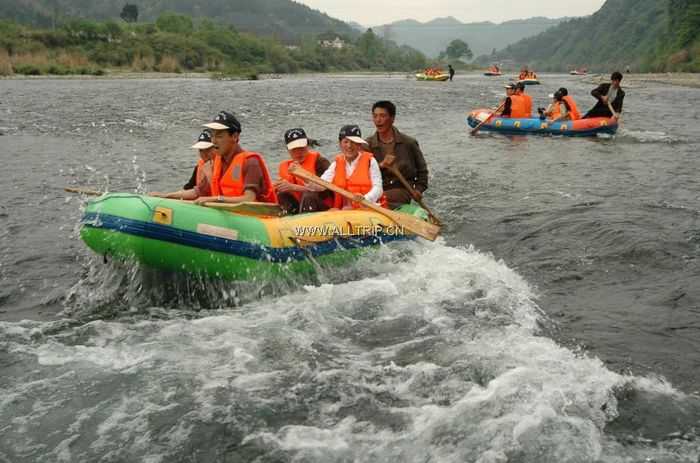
<point>354,170</point>
<point>292,194</point>
<point>408,157</point>
<point>553,111</point>
<point>200,184</point>
<point>238,175</point>
<point>515,105</point>
<point>527,99</point>
<point>567,106</point>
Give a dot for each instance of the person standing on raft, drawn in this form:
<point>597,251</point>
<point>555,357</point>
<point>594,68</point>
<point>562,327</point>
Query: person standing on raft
<point>608,94</point>
<point>392,148</point>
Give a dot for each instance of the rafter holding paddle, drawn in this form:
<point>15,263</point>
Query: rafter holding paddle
<point>249,207</point>
<point>388,163</point>
<point>615,115</point>
<point>413,224</point>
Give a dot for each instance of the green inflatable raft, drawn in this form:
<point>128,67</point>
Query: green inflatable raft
<point>246,244</point>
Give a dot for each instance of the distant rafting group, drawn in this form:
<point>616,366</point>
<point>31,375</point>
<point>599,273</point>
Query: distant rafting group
<point>561,116</point>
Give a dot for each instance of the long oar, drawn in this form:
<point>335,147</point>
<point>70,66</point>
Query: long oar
<point>83,191</point>
<point>476,129</point>
<point>389,161</point>
<point>615,115</point>
<point>413,224</point>
<point>249,208</point>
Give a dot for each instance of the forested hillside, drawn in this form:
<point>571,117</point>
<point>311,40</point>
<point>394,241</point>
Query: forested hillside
<point>433,36</point>
<point>647,35</point>
<point>283,19</point>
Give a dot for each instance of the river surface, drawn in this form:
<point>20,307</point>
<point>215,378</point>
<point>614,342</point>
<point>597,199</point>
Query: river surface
<point>557,319</point>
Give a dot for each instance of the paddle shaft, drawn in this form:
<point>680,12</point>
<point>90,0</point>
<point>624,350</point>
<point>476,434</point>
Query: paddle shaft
<point>83,191</point>
<point>262,208</point>
<point>614,114</point>
<point>476,129</point>
<point>419,227</point>
<point>414,193</point>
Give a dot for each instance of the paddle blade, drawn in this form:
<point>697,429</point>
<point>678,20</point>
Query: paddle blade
<point>413,224</point>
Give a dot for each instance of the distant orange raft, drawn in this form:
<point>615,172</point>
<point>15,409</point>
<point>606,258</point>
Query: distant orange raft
<point>535,126</point>
<point>436,77</point>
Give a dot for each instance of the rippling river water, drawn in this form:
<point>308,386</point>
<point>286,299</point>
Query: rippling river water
<point>556,321</point>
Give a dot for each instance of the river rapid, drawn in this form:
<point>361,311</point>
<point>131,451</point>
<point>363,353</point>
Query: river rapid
<point>556,319</point>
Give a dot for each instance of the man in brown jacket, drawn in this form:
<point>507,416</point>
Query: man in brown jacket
<point>407,157</point>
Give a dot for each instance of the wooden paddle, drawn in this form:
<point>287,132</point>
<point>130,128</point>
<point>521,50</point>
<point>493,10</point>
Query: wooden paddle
<point>413,224</point>
<point>614,114</point>
<point>476,129</point>
<point>248,208</point>
<point>83,191</point>
<point>389,164</point>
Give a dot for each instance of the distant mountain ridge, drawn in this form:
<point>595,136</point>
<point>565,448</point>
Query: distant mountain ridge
<point>647,35</point>
<point>433,36</point>
<point>284,19</point>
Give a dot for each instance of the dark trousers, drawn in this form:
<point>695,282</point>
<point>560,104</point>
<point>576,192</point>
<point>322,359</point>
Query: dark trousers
<point>396,197</point>
<point>599,110</point>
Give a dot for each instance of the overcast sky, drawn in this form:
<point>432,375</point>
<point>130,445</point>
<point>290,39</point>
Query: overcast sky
<point>375,12</point>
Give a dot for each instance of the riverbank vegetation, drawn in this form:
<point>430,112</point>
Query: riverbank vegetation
<point>176,43</point>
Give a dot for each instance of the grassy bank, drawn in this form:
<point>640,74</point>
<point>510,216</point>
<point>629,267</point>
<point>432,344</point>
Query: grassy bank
<point>176,44</point>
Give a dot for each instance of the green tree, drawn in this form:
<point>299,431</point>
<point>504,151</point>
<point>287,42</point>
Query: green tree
<point>370,46</point>
<point>458,49</point>
<point>175,23</point>
<point>130,13</point>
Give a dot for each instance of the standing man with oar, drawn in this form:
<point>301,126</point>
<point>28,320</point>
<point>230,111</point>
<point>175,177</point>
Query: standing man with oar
<point>392,148</point>
<point>610,97</point>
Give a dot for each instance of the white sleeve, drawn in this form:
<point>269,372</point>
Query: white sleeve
<point>376,192</point>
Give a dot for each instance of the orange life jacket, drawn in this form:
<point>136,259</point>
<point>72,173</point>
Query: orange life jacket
<point>574,115</point>
<point>518,107</point>
<point>528,103</point>
<point>232,182</point>
<point>556,110</point>
<point>308,165</point>
<point>360,182</point>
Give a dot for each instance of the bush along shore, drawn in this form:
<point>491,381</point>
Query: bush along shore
<point>177,44</point>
